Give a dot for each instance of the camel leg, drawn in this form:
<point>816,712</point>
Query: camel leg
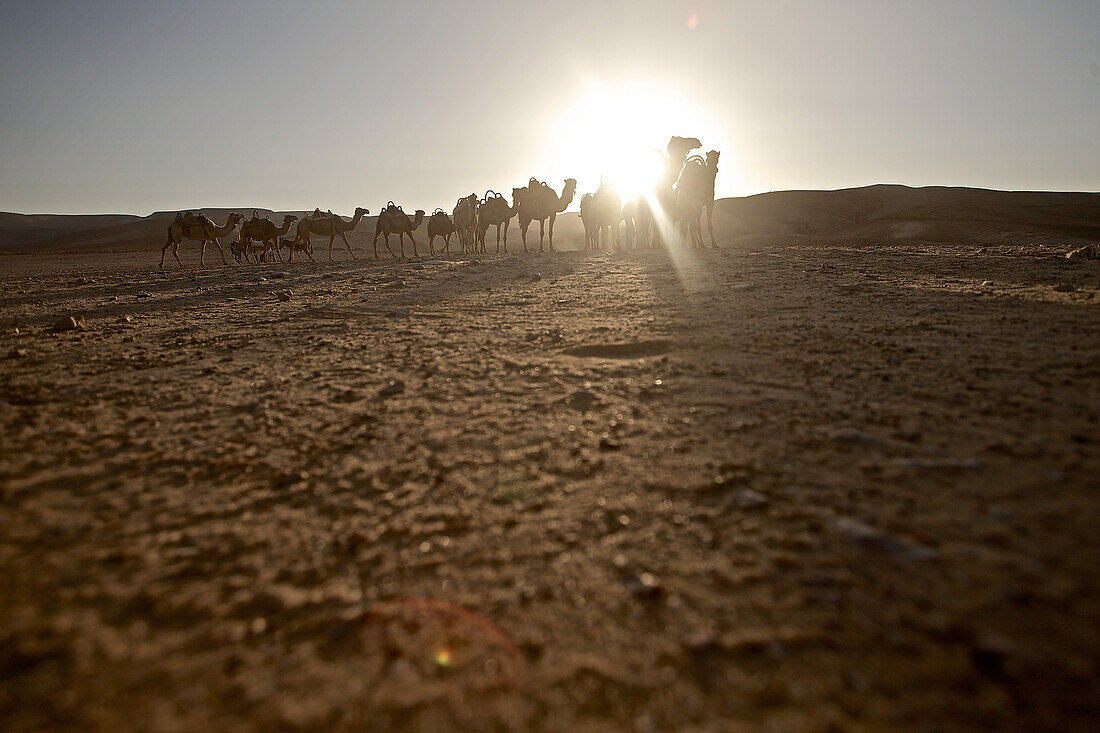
<point>552,218</point>
<point>413,240</point>
<point>542,232</point>
<point>710,225</point>
<point>375,243</point>
<point>506,237</point>
<point>523,233</point>
<point>202,254</point>
<point>222,251</point>
<point>164,251</point>
<point>330,241</point>
<point>347,244</point>
<point>447,243</point>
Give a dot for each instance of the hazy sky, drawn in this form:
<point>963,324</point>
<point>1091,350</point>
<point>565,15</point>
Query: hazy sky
<point>113,106</point>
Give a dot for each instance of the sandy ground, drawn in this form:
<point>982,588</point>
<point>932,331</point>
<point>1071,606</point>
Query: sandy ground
<point>789,485</point>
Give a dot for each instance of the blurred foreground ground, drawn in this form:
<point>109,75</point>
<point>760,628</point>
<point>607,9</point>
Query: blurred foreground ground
<point>787,485</point>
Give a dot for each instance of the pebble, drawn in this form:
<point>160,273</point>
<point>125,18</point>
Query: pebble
<point>283,295</point>
<point>70,323</point>
<point>609,444</point>
<point>856,436</point>
<point>749,499</point>
<point>582,399</point>
<point>143,294</point>
<point>395,386</point>
<point>869,539</point>
<point>643,585</point>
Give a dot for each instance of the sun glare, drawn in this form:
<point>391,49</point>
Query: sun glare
<point>618,134</point>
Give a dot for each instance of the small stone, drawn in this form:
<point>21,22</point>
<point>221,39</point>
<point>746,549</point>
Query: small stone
<point>609,444</point>
<point>70,323</point>
<point>582,400</point>
<point>643,585</point>
<point>348,395</point>
<point>869,539</point>
<point>126,319</point>
<point>856,436</point>
<point>283,295</point>
<point>143,294</point>
<point>395,386</point>
<point>1088,252</point>
<point>987,283</point>
<point>749,499</point>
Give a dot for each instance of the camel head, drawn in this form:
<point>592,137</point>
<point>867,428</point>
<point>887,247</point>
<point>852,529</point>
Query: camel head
<point>569,191</point>
<point>288,218</point>
<point>679,147</point>
<point>235,219</point>
<point>418,216</point>
<point>360,211</point>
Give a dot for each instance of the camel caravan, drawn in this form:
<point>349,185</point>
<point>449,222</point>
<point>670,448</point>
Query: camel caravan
<point>684,191</point>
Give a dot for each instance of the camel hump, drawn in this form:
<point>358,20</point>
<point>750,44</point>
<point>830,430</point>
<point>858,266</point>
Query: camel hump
<point>439,212</point>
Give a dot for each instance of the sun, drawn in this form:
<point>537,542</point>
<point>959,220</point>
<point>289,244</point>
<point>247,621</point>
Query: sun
<point>618,133</point>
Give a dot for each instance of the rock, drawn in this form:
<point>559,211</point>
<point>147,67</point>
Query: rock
<point>125,319</point>
<point>643,585</point>
<point>582,400</point>
<point>855,436</point>
<point>348,395</point>
<point>394,387</point>
<point>416,266</point>
<point>933,464</point>
<point>283,295</point>
<point>869,539</point>
<point>609,444</point>
<point>535,277</point>
<point>143,294</point>
<point>70,323</point>
<point>749,499</point>
<point>1088,252</point>
<point>987,283</point>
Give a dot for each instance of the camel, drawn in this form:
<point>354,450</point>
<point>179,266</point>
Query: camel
<point>588,219</point>
<point>638,216</point>
<point>494,210</point>
<point>265,231</point>
<point>601,213</point>
<point>539,202</point>
<point>645,217</point>
<point>465,215</point>
<point>198,229</point>
<point>393,220</point>
<point>440,225</point>
<point>330,226</point>
<point>695,190</point>
<point>296,245</point>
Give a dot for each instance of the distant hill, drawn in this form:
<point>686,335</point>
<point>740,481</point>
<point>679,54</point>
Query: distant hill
<point>931,214</point>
